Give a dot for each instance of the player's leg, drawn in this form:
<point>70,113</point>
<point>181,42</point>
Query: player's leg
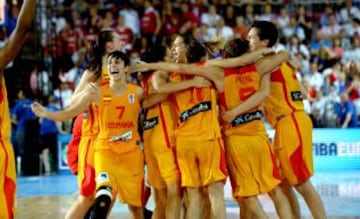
<point>7,180</point>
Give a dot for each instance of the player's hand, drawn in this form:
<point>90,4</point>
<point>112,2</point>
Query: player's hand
<point>139,67</point>
<point>201,81</point>
<point>38,109</point>
<point>228,116</point>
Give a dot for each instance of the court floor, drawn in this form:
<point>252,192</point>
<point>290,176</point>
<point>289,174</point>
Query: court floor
<point>46,197</point>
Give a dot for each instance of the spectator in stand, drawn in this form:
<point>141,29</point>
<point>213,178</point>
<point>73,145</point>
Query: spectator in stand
<point>319,42</point>
<point>347,117</point>
<point>325,16</point>
<point>93,19</point>
<point>337,49</point>
<point>223,31</point>
<point>63,94</point>
<point>354,53</point>
<point>318,109</point>
<point>267,14</point>
<point>125,33</point>
<point>249,15</point>
<point>316,79</point>
<point>240,29</point>
<point>131,17</point>
<point>150,25</point>
<point>283,19</point>
<point>48,135</point>
<point>294,47</point>
<point>170,19</point>
<point>230,16</point>
<point>344,40</point>
<point>211,17</point>
<point>22,115</point>
<point>293,29</point>
<point>108,20</point>
<point>188,20</point>
<point>304,19</point>
<point>332,29</point>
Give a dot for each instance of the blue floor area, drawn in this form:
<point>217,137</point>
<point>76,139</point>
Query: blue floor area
<point>340,191</point>
<point>46,185</point>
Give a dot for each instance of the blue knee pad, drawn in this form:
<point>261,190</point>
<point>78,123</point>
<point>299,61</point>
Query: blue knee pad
<point>102,203</point>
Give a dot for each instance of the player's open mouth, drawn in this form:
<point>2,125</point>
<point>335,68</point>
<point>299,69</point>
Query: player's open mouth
<point>114,72</point>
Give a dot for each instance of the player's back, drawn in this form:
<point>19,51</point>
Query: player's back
<point>285,94</point>
<point>197,115</point>
<point>240,84</point>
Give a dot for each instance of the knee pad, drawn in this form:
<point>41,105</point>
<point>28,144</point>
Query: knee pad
<point>102,203</point>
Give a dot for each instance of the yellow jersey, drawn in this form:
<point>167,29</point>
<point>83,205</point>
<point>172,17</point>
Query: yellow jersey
<point>240,84</point>
<point>285,94</point>
<point>118,118</point>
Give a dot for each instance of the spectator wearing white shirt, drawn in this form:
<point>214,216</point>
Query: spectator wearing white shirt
<point>283,19</point>
<point>316,79</point>
<point>224,31</point>
<point>211,17</point>
<point>131,18</point>
<point>331,30</point>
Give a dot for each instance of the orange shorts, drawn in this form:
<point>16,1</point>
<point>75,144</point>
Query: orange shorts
<point>162,169</point>
<point>7,180</point>
<point>124,173</point>
<point>252,165</point>
<point>293,146</point>
<point>200,162</point>
<point>86,170</point>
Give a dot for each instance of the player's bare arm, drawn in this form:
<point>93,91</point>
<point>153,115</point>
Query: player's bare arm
<point>242,60</point>
<point>156,98</point>
<point>19,35</point>
<point>90,94</point>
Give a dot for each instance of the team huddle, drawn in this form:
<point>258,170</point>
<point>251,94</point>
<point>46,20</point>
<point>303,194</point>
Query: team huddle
<point>203,122</point>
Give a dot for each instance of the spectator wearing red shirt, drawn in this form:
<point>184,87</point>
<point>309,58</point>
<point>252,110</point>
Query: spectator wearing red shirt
<point>188,20</point>
<point>125,33</point>
<point>170,20</point>
<point>150,25</point>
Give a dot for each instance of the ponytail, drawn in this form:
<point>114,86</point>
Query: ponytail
<point>97,50</point>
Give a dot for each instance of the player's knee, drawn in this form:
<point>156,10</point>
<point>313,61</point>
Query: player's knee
<point>102,202</point>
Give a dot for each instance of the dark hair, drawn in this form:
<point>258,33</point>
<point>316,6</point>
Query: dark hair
<point>97,50</point>
<point>236,47</point>
<point>266,30</point>
<point>155,53</point>
<point>119,55</point>
<point>194,49</point>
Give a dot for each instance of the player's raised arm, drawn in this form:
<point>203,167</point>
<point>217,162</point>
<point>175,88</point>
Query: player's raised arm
<point>19,35</point>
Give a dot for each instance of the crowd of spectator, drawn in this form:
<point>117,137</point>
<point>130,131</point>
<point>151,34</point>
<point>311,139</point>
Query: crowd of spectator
<point>324,38</point>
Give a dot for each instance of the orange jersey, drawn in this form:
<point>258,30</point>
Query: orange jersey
<point>118,115</point>
<point>240,84</point>
<point>5,122</point>
<point>285,94</point>
<point>160,120</point>
<point>197,113</point>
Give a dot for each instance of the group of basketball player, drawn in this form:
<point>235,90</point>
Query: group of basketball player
<point>188,150</point>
